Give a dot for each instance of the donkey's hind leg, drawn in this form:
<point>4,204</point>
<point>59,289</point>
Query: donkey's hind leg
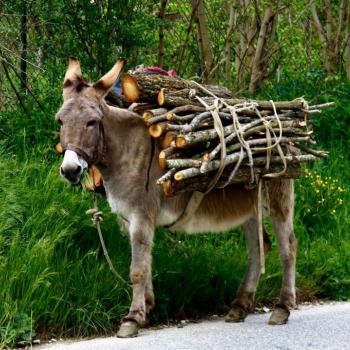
<point>245,295</point>
<point>281,194</point>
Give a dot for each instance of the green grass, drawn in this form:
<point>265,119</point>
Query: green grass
<point>53,275</point>
<point>54,278</point>
<point>50,258</point>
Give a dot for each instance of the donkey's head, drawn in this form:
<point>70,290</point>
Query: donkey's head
<point>80,116</point>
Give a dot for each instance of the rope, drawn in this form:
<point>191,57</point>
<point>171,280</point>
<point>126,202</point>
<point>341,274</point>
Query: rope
<point>261,228</point>
<point>240,136</point>
<point>214,110</point>
<point>276,145</point>
<point>96,217</point>
<point>272,142</point>
<point>197,197</point>
<point>239,133</point>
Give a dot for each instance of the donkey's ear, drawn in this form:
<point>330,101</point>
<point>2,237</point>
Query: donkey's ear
<point>73,72</point>
<point>103,86</point>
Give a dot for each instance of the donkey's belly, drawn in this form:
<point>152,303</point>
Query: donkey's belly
<point>205,223</point>
<point>220,210</point>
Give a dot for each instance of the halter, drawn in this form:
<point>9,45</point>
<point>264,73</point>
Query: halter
<point>98,154</point>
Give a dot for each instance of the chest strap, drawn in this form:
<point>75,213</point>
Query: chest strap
<point>191,207</point>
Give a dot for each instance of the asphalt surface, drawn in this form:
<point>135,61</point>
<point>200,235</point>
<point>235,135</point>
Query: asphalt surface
<point>311,327</point>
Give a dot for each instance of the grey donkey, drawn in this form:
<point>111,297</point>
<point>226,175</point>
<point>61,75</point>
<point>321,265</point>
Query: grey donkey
<point>117,142</point>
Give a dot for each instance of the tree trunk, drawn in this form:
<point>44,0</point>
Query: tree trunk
<point>203,40</point>
<point>257,74</point>
<point>228,44</point>
<point>185,43</point>
<point>142,87</point>
<point>347,44</point>
<point>161,33</point>
<point>24,46</point>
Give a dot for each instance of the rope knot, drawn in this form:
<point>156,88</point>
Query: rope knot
<point>96,215</point>
<point>192,93</point>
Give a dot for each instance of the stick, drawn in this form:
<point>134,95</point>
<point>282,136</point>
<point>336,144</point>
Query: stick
<point>146,87</point>
<point>166,154</point>
<point>153,113</point>
<point>167,139</point>
<point>167,176</point>
<point>201,183</point>
<point>183,141</point>
<point>213,165</point>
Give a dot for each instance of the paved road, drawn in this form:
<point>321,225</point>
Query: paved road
<point>311,327</point>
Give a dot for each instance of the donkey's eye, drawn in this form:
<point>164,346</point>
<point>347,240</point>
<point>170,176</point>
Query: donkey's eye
<point>91,123</point>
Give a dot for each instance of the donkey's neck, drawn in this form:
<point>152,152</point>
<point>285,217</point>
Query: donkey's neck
<point>128,146</point>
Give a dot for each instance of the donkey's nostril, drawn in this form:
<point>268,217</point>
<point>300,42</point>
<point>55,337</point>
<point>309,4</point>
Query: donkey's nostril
<point>62,171</point>
<point>78,169</point>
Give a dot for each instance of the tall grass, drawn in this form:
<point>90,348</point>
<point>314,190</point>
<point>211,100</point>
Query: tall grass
<point>53,276</point>
<point>50,258</point>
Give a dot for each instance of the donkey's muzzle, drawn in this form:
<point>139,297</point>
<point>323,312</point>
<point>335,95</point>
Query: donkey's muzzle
<point>72,167</point>
<point>72,173</point>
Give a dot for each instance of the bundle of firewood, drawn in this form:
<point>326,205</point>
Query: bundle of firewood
<point>210,139</point>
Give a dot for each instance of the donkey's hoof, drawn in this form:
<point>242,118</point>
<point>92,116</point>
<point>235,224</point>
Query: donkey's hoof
<point>128,329</point>
<point>279,316</point>
<point>236,314</point>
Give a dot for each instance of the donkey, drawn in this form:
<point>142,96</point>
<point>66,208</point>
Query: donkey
<point>117,142</point>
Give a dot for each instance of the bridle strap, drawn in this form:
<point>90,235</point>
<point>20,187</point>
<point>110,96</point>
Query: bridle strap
<point>78,151</point>
<point>97,154</point>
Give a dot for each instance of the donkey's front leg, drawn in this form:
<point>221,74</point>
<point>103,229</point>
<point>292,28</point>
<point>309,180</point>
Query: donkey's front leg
<point>141,232</point>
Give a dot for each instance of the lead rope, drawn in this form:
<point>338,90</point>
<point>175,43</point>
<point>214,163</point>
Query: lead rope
<point>96,217</point>
<point>261,228</point>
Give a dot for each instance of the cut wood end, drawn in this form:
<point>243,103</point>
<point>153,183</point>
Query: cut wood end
<point>147,115</point>
<point>162,161</point>
<point>156,130</point>
<point>180,142</point>
<point>169,116</point>
<point>161,97</point>
<point>167,139</point>
<point>179,176</point>
<point>130,88</point>
<point>167,188</point>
